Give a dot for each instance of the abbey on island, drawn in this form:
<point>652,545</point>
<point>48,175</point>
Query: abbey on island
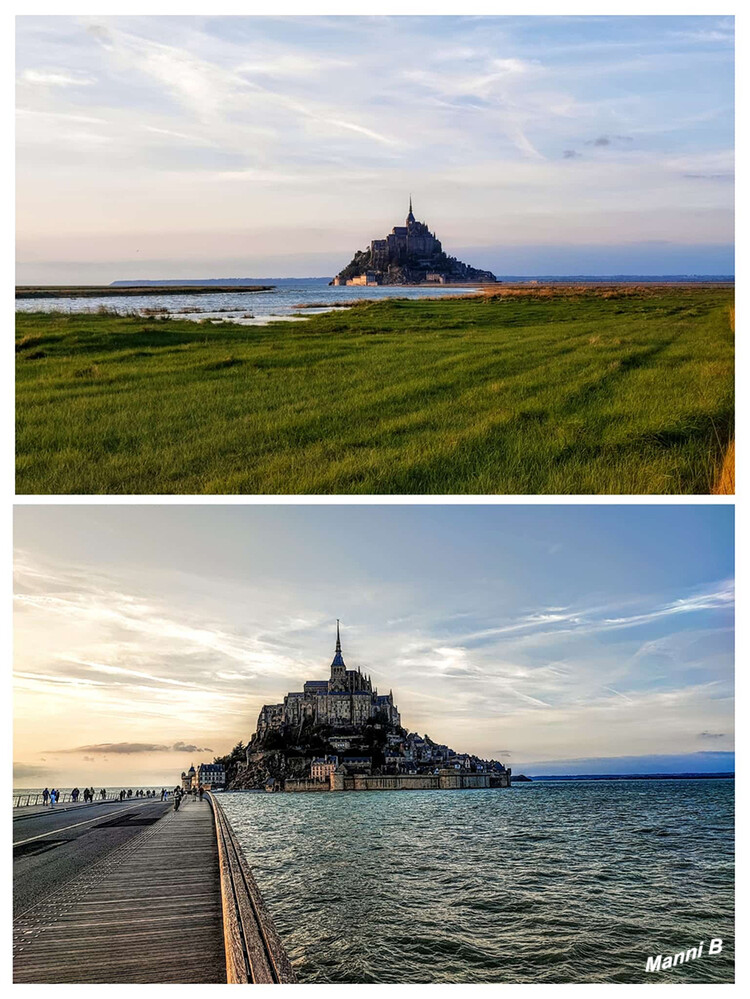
<point>345,699</point>
<point>409,254</point>
<point>340,734</point>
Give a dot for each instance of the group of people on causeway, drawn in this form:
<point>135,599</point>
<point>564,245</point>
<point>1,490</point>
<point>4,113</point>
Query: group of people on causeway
<point>52,797</point>
<point>140,794</point>
<point>88,794</point>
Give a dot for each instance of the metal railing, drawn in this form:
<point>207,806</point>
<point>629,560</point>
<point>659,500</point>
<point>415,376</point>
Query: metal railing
<point>26,800</point>
<point>254,951</point>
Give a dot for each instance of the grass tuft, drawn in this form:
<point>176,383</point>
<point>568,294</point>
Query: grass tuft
<point>724,485</point>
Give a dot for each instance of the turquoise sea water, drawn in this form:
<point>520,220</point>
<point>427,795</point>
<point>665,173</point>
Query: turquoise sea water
<point>557,882</point>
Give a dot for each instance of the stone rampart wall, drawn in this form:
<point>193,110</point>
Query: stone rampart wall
<point>444,780</point>
<point>305,784</point>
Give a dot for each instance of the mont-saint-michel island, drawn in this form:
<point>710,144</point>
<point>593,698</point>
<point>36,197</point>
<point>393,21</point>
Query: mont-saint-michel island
<point>340,734</point>
<point>409,254</point>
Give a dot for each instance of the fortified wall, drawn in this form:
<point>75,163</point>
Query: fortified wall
<point>444,780</point>
<point>305,784</point>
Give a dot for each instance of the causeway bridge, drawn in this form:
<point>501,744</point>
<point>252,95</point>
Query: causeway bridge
<point>132,892</point>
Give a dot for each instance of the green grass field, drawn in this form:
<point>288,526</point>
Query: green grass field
<point>595,391</point>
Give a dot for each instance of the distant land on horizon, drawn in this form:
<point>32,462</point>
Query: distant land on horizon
<point>172,282</point>
<point>728,775</point>
<point>707,763</point>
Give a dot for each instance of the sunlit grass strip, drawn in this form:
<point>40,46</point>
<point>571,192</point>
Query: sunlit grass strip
<point>578,392</point>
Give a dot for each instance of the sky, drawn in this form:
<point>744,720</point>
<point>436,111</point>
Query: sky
<point>207,147</point>
<point>148,637</point>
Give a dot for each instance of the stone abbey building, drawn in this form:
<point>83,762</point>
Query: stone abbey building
<point>340,734</point>
<point>345,700</point>
<point>409,254</point>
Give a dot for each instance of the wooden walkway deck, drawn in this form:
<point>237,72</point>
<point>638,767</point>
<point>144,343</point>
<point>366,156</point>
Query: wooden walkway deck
<point>149,912</point>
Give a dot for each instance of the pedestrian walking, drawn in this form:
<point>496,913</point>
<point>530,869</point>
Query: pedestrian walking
<point>45,795</point>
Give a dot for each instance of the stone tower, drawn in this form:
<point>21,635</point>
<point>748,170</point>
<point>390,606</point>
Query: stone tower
<point>338,666</point>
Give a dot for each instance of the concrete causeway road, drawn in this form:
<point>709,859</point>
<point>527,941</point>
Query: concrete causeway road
<point>52,846</point>
<point>112,894</point>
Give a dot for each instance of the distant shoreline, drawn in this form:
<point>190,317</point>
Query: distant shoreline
<point>107,290</point>
<point>209,286</point>
<point>688,776</point>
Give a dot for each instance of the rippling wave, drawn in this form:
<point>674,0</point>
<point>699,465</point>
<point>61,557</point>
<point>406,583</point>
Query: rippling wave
<point>569,882</point>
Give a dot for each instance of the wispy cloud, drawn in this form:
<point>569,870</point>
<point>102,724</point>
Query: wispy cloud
<point>60,116</point>
<point>721,597</point>
<point>214,93</point>
<point>55,79</point>
<point>130,748</point>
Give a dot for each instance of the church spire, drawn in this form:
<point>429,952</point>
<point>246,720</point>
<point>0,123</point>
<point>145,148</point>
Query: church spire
<point>338,659</point>
<point>410,216</point>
